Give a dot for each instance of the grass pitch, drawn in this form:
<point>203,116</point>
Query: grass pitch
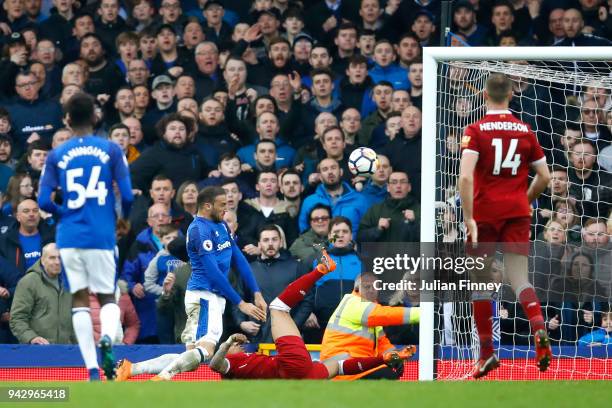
<point>320,394</point>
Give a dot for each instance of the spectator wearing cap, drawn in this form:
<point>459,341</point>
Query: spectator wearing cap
<point>217,30</point>
<point>269,23</point>
<point>58,27</point>
<point>162,92</point>
<point>109,23</point>
<point>424,27</point>
<point>32,116</point>
<point>172,155</point>
<point>14,15</point>
<point>464,22</point>
<point>169,54</point>
<point>301,47</point>
<point>103,77</point>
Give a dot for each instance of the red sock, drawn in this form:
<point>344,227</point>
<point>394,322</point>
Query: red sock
<point>483,316</point>
<point>359,365</point>
<point>531,306</point>
<point>295,292</point>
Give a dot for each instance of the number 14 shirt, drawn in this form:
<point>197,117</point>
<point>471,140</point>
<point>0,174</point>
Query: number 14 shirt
<point>84,169</point>
<point>506,149</point>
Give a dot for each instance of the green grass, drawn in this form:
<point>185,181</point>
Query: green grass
<point>319,394</point>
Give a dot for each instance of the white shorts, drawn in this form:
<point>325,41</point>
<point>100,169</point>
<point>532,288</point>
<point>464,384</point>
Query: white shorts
<point>204,317</point>
<point>92,269</point>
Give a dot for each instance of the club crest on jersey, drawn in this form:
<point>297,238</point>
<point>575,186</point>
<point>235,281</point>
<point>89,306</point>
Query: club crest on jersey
<point>465,141</point>
<point>216,233</point>
<point>207,245</point>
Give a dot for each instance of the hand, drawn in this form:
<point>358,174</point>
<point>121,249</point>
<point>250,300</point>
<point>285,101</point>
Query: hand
<point>214,173</point>
<point>260,303</point>
<point>250,328</point>
<point>384,223</point>
<point>246,167</point>
<point>20,58</point>
<point>553,324</point>
<point>409,215</point>
<point>251,94</point>
<point>314,178</point>
<point>238,338</point>
<point>312,322</point>
<point>253,33</point>
<point>330,24</point>
<point>251,310</point>
<point>358,186</point>
<point>305,95</point>
<point>39,340</point>
<point>249,56</point>
<point>545,213</point>
<point>5,317</point>
<point>295,80</point>
<point>587,316</point>
<point>603,13</point>
<point>33,137</point>
<point>4,293</point>
<point>136,192</point>
<point>251,249</point>
<point>102,98</point>
<point>168,283</point>
<point>299,168</point>
<point>392,6</point>
<point>472,228</point>
<point>503,313</point>
<point>534,7</point>
<point>5,28</point>
<point>233,87</point>
<point>175,71</point>
<point>138,291</point>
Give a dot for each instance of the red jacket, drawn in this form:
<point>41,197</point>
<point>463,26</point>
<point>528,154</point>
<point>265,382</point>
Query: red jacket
<point>129,318</point>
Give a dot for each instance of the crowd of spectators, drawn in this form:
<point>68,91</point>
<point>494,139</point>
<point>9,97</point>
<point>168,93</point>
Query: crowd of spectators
<point>267,98</point>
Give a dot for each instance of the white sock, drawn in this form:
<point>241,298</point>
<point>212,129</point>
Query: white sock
<point>187,361</point>
<point>154,365</point>
<point>110,316</point>
<point>83,329</point>
<point>341,367</point>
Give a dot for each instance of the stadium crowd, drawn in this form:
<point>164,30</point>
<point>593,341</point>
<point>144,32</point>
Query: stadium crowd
<point>267,98</point>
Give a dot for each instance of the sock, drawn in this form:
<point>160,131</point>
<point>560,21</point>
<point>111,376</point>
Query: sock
<point>94,374</point>
<point>110,316</point>
<point>154,365</point>
<point>483,316</point>
<point>295,292</point>
<point>83,329</point>
<point>187,361</point>
<point>358,365</point>
<point>531,307</point>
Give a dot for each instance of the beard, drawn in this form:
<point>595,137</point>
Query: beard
<point>333,186</point>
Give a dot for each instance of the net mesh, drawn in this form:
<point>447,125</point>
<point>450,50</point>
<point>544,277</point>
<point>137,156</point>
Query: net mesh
<point>565,103</point>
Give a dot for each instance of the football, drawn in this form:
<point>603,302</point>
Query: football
<point>363,162</point>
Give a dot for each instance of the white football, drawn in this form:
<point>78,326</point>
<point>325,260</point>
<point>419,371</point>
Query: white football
<point>363,161</point>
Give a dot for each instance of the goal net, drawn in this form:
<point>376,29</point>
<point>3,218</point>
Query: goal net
<point>568,105</point>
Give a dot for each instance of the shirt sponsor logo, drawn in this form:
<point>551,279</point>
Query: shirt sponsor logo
<point>33,254</point>
<point>224,245</point>
<point>513,126</point>
<point>207,245</point>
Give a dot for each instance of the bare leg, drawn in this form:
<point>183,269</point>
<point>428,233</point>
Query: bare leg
<point>282,324</point>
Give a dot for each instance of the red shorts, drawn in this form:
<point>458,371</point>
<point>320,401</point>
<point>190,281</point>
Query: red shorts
<point>294,360</point>
<point>511,233</point>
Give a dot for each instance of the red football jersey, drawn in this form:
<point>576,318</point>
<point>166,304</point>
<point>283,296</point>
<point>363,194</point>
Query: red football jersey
<point>506,149</point>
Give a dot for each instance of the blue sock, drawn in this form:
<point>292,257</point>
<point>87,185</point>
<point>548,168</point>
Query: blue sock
<point>94,374</point>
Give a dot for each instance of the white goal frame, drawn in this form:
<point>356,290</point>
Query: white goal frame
<point>432,56</point>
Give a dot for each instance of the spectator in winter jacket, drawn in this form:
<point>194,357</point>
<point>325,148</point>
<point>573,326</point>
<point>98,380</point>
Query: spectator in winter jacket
<point>32,117</point>
<point>397,219</point>
<point>601,336</point>
<point>273,270</point>
<point>333,192</point>
<point>9,276</point>
<point>382,94</point>
<point>355,85</point>
<point>145,247</point>
<point>303,247</point>
<point>385,68</point>
<point>130,325</point>
<point>323,99</point>
<point>267,129</point>
<point>375,188</point>
<point>173,155</point>
<point>42,307</point>
<point>22,243</point>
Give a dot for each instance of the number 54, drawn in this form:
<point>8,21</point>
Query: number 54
<point>95,189</point>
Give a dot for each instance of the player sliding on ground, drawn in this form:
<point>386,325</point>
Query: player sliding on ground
<point>293,360</point>
<point>497,153</point>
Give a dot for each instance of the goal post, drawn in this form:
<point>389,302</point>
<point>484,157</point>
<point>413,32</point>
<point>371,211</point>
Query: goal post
<point>435,59</point>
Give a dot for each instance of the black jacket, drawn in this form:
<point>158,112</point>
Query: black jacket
<point>57,29</point>
<point>352,95</point>
<point>252,219</point>
<point>273,276</point>
<point>10,247</point>
<point>405,155</point>
<point>178,164</point>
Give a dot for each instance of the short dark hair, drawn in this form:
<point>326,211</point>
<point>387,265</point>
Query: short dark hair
<point>503,3</point>
<point>340,220</point>
<point>289,172</point>
<point>278,40</point>
<point>319,207</point>
<point>264,172</point>
<point>229,156</point>
<point>322,71</point>
<point>383,83</point>
<point>366,31</point>
<point>269,227</point>
<point>208,195</point>
<point>230,180</point>
<point>346,26</point>
<point>37,145</point>
<point>167,229</point>
<point>262,141</point>
<point>115,127</point>
<point>81,110</point>
<point>161,177</point>
<point>79,16</point>
<point>329,129</point>
<point>357,59</point>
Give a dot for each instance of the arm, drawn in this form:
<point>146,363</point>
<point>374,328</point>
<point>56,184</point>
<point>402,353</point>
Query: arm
<point>150,277</point>
<point>218,363</point>
<point>21,312</point>
<point>131,266</point>
<point>540,181</point>
<point>380,315</point>
<point>242,266</point>
<point>121,174</point>
<point>368,228</point>
<point>48,184</point>
<point>469,159</point>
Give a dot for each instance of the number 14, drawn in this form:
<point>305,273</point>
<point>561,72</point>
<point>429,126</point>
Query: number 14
<point>512,159</point>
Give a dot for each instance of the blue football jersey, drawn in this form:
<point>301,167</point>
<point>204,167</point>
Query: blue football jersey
<point>84,169</point>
